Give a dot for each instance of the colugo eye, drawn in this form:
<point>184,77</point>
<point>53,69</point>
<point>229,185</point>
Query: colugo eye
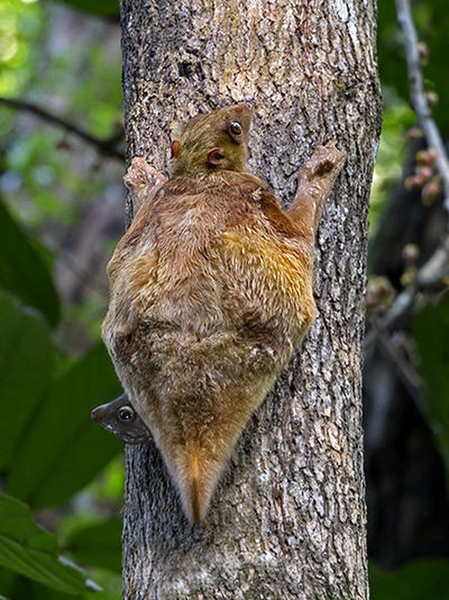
<point>235,128</point>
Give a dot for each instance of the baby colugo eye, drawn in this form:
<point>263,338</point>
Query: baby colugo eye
<point>126,413</point>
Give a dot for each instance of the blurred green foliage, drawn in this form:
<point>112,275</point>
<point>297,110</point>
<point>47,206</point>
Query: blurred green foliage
<point>20,24</point>
<point>421,580</point>
<point>50,448</point>
<point>431,333</point>
<point>51,454</point>
<point>49,178</point>
<point>27,549</point>
<point>398,118</point>
<point>23,270</point>
<point>106,8</point>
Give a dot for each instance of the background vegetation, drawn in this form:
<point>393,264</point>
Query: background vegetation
<point>61,162</point>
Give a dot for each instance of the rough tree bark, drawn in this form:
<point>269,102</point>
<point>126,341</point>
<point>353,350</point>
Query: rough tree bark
<point>288,519</point>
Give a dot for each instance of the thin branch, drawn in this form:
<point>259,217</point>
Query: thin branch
<point>435,270</point>
<point>105,146</point>
<point>418,95</point>
<point>437,267</point>
<point>404,369</point>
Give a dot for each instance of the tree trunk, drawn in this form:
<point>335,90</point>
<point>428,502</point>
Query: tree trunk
<point>288,518</point>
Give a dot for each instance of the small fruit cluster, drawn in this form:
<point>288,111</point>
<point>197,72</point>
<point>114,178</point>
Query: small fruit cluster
<point>426,177</point>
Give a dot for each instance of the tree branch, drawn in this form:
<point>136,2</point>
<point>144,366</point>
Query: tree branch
<point>107,147</point>
<point>418,96</point>
<point>435,270</point>
<point>404,369</point>
<point>437,267</point>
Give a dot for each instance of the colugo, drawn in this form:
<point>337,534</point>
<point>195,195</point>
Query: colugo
<point>211,293</point>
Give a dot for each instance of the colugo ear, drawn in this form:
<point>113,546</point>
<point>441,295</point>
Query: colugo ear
<point>215,156</point>
<point>175,149</point>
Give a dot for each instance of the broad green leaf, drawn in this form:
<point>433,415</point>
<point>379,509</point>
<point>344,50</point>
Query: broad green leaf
<point>28,549</point>
<point>98,545</point>
<point>64,449</point>
<point>7,580</point>
<point>416,581</point>
<point>26,589</point>
<point>25,368</point>
<point>431,332</point>
<point>23,270</point>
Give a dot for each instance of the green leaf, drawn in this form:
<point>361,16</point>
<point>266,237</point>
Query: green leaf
<point>23,588</point>
<point>416,581</point>
<point>7,579</point>
<point>431,332</point>
<point>26,353</point>
<point>98,545</point>
<point>28,549</point>
<point>64,449</point>
<point>23,271</point>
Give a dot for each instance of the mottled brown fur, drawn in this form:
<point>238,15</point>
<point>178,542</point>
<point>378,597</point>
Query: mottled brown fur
<point>211,291</point>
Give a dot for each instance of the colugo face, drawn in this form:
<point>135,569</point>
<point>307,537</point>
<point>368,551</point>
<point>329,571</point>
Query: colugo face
<point>209,144</point>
